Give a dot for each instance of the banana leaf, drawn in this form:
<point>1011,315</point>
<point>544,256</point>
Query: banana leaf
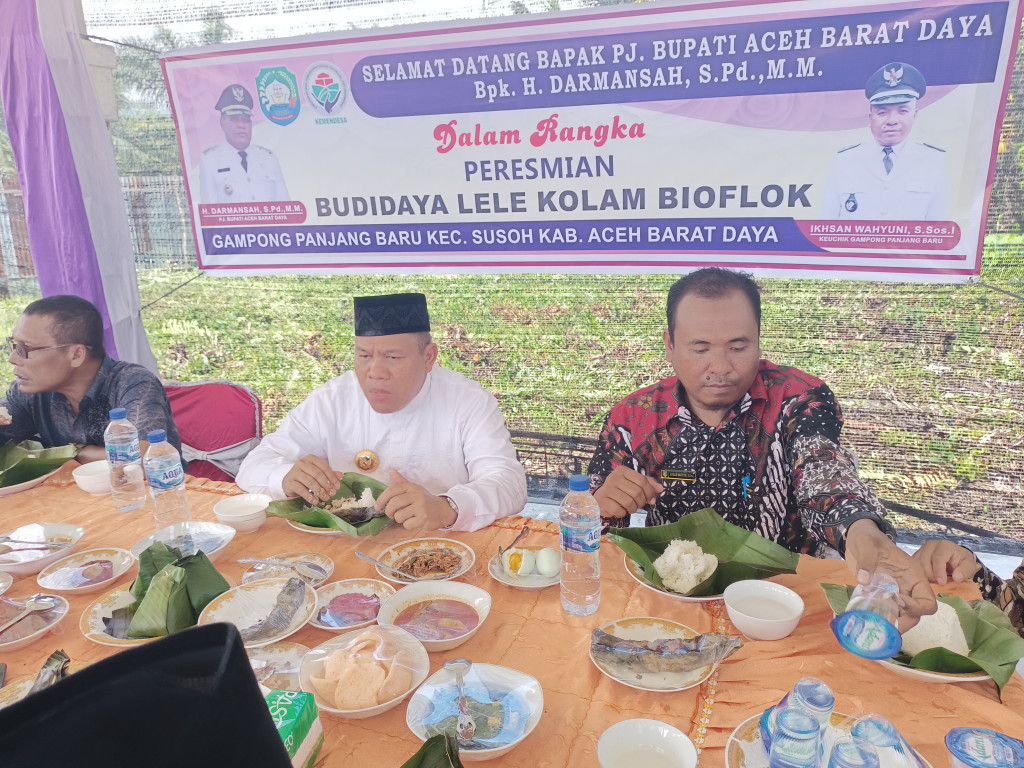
<point>152,560</point>
<point>28,460</point>
<point>741,554</point>
<point>995,647</point>
<point>203,582</point>
<point>352,486</point>
<point>165,608</point>
<point>440,751</point>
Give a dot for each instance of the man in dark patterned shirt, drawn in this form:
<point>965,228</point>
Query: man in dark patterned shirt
<point>66,384</point>
<point>757,442</point>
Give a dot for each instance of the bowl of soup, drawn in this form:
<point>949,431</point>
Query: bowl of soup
<point>440,614</point>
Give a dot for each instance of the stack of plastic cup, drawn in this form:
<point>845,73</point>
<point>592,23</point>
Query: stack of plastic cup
<point>797,742</point>
<point>809,694</point>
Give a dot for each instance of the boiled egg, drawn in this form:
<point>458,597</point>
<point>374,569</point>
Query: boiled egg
<point>549,562</point>
<point>518,562</point>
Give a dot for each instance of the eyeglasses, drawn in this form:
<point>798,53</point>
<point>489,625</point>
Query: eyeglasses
<point>22,349</point>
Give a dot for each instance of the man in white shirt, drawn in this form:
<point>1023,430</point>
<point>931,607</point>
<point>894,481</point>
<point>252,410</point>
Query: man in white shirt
<point>436,438</point>
<point>889,177</point>
<point>239,171</point>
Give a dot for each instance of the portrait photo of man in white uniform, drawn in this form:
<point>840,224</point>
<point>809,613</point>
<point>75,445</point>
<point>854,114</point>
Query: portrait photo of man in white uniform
<point>238,171</point>
<point>889,177</point>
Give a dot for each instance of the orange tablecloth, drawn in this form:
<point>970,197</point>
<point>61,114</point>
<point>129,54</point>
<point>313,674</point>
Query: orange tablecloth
<point>529,631</point>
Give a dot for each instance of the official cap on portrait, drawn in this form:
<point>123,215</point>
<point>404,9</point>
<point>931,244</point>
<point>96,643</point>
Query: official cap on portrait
<point>895,83</point>
<point>391,314</point>
<point>235,100</point>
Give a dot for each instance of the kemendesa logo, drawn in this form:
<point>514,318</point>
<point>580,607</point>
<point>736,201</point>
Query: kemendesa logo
<point>326,89</point>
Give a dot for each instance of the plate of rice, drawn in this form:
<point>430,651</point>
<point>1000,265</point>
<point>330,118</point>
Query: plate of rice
<point>939,630</point>
<point>682,566</point>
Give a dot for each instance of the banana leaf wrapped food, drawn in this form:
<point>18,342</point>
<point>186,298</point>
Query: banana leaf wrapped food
<point>350,509</point>
<point>741,554</point>
<point>170,592</point>
<point>994,647</point>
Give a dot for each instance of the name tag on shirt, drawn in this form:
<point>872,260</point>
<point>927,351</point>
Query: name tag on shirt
<point>681,475</point>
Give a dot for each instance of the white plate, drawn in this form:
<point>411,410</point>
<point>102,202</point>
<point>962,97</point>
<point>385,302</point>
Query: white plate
<point>325,594</point>
<point>397,640</point>
<point>435,701</point>
<point>315,530</point>
<point>92,625</point>
<point>530,581</point>
<point>746,750</point>
<point>927,676</point>
<point>189,537</point>
<point>259,571</point>
<point>277,665</point>
<point>34,560</point>
<point>62,575</point>
<point>647,628</point>
<point>397,554</point>
<point>52,618</point>
<point>634,570</point>
<point>5,581</point>
<point>244,605</point>
<point>12,489</point>
<point>15,692</point>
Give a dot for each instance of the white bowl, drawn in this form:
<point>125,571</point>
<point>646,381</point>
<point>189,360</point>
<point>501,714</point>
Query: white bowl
<point>245,513</point>
<point>22,562</point>
<point>417,663</point>
<point>763,610</point>
<point>474,597</point>
<point>522,701</point>
<point>641,741</point>
<point>93,477</point>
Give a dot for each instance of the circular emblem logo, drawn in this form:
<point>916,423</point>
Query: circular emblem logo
<point>325,87</point>
<point>367,460</point>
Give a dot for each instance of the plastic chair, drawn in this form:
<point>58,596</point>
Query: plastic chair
<point>219,423</point>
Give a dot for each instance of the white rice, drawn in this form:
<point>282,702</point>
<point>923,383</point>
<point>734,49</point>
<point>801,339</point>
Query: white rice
<point>683,565</point>
<point>939,630</point>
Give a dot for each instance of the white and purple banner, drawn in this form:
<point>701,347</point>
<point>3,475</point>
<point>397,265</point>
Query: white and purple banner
<point>649,138</point>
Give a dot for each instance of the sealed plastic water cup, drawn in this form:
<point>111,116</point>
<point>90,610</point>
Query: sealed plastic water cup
<point>867,627</point>
<point>982,748</point>
<point>879,732</point>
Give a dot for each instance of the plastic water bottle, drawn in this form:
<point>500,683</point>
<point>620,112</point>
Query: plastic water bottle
<point>127,480</point>
<point>580,519</point>
<point>166,481</point>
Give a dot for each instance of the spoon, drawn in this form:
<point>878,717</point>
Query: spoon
<point>405,576</point>
<point>526,530</point>
<point>309,570</point>
<point>465,725</point>
<point>34,604</point>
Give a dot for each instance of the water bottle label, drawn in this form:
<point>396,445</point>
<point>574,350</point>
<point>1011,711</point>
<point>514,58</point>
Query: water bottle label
<point>588,540</point>
<point>165,478</point>
<point>120,454</point>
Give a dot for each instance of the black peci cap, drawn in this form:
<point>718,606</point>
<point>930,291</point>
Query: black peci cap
<point>895,83</point>
<point>391,314</point>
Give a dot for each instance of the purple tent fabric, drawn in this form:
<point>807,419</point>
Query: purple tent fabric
<point>78,229</point>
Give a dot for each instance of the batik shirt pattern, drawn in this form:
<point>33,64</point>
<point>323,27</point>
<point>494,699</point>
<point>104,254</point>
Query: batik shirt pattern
<point>1008,594</point>
<point>774,465</point>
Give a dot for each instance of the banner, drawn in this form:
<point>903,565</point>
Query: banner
<point>815,138</point>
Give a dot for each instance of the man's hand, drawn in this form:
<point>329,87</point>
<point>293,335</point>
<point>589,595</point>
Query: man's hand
<point>413,506</point>
<point>942,560</point>
<point>869,550</point>
<point>311,478</point>
<point>624,491</point>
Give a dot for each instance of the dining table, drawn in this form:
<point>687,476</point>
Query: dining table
<point>527,630</point>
